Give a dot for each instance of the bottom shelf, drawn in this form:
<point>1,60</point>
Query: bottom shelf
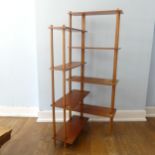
<point>74,127</point>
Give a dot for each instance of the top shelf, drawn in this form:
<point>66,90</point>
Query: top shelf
<point>91,13</point>
<point>66,28</point>
<point>95,48</point>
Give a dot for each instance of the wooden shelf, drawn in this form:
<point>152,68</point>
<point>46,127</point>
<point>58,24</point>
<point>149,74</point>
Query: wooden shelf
<point>93,80</point>
<point>74,127</point>
<point>73,102</point>
<point>90,13</point>
<point>72,99</point>
<point>96,48</point>
<point>68,66</point>
<point>95,110</point>
<point>66,28</point>
<point>89,109</point>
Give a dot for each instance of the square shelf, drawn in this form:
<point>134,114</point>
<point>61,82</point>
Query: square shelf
<point>74,126</point>
<point>72,99</point>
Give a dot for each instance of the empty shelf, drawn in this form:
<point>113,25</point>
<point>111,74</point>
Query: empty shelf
<point>74,127</point>
<point>68,66</point>
<point>93,80</point>
<point>92,109</point>
<point>95,110</point>
<point>72,99</point>
<point>95,48</point>
<point>66,28</point>
<point>90,13</point>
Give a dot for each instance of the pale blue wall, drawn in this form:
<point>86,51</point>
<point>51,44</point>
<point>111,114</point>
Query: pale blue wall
<point>18,69</point>
<point>151,84</point>
<point>18,76</point>
<point>137,25</point>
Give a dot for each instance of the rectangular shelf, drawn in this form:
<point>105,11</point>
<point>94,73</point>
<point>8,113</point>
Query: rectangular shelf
<point>66,28</point>
<point>72,99</point>
<point>91,13</point>
<point>90,109</point>
<point>74,127</point>
<point>68,66</point>
<point>96,48</point>
<point>95,110</point>
<point>93,80</point>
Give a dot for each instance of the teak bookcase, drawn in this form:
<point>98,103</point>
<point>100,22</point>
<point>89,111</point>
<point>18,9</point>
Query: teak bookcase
<point>73,100</point>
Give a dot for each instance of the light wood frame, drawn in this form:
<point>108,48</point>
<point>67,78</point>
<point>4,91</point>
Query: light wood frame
<point>68,100</point>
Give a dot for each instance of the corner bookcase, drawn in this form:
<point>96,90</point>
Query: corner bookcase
<point>73,100</point>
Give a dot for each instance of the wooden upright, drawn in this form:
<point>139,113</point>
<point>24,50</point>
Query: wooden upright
<point>73,100</point>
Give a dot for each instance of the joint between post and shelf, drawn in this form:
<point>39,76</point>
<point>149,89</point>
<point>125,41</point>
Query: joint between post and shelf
<point>70,13</point>
<point>50,27</point>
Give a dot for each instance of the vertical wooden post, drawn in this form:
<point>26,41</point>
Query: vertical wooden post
<point>83,26</point>
<point>70,57</point>
<point>64,79</point>
<point>53,88</point>
<point>116,46</point>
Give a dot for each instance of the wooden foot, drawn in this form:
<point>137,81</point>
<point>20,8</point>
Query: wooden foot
<point>111,125</point>
<point>70,114</point>
<point>54,142</point>
<point>65,145</point>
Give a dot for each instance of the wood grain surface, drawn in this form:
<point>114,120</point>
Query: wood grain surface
<point>128,138</point>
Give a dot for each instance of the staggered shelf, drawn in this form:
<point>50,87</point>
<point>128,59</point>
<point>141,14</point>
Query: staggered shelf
<point>93,80</point>
<point>91,13</point>
<point>74,127</point>
<point>73,99</point>
<point>66,28</point>
<point>95,110</point>
<point>96,48</point>
<point>89,109</point>
<point>68,66</point>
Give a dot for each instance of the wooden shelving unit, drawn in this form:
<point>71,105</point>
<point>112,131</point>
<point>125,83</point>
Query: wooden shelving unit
<point>73,100</point>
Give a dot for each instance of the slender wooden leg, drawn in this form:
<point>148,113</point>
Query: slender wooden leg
<point>115,59</point>
<point>112,107</point>
<point>82,57</point>
<point>70,58</point>
<point>64,81</point>
<point>53,87</point>
<point>54,127</point>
